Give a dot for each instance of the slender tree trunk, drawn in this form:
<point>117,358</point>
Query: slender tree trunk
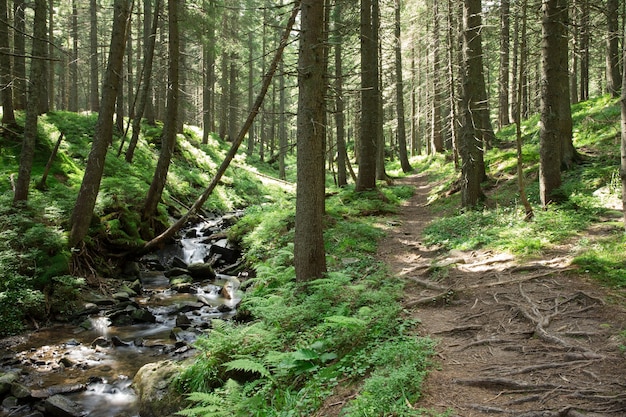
<point>148,33</point>
<point>250,148</point>
<point>51,58</point>
<point>6,73</point>
<point>573,79</point>
<point>381,174</point>
<point>342,154</point>
<point>613,75</point>
<point>282,128</point>
<point>436,135</point>
<point>518,125</point>
<point>73,93</point>
<point>623,136</point>
<point>32,108</point>
<point>146,84</point>
<point>233,99</point>
<point>452,81</point>
<point>402,148</point>
<point>369,107</point>
<point>94,96</point>
<point>170,126</point>
<point>584,50</point>
<point>503,77</point>
<point>94,168</point>
<point>309,254</point>
<point>267,79</point>
<point>19,61</point>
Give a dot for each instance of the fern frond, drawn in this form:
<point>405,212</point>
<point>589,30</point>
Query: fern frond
<point>206,398</point>
<point>248,365</point>
<point>344,321</point>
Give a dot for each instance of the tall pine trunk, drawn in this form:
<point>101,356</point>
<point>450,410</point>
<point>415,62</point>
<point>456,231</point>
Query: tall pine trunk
<point>6,88</point>
<point>94,168</point>
<point>170,126</point>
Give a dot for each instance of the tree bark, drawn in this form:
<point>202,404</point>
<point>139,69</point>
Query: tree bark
<point>6,73</point>
<point>170,126</point>
<point>623,136</point>
<point>32,107</point>
<point>267,79</point>
<point>94,95</point>
<point>366,179</point>
<point>73,93</point>
<point>146,84</point>
<point>309,254</point>
<point>613,76</point>
<point>19,61</point>
<point>471,146</point>
<point>402,148</point>
<point>342,154</point>
<point>503,76</point>
<point>436,135</point>
<point>86,200</point>
<point>556,122</point>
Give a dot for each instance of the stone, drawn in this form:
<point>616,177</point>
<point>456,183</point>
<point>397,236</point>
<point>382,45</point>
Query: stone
<point>101,341</point>
<point>142,315</point>
<point>5,382</point>
<point>135,286</point>
<point>9,402</point>
<point>60,406</point>
<point>183,321</point>
<point>156,395</point>
<point>121,296</point>
<point>223,308</point>
<point>119,342</point>
<point>126,289</point>
<point>20,391</point>
<point>131,270</point>
<point>178,263</point>
<point>175,272</point>
<point>66,362</point>
<point>201,271</point>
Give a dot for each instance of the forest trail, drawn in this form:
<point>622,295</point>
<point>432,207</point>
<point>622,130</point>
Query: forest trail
<point>531,339</point>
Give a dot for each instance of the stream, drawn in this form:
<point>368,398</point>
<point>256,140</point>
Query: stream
<point>86,368</point>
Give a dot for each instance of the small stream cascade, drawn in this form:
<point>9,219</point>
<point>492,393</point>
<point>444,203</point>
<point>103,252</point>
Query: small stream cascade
<point>166,302</point>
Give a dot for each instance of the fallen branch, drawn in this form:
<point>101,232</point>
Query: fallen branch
<point>428,284</point>
<point>444,296</point>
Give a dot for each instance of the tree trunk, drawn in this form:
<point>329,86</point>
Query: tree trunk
<point>94,96</point>
<point>471,146</point>
<point>282,128</point>
<point>73,93</point>
<point>366,179</point>
<point>250,147</point>
<point>342,154</point>
<point>267,79</point>
<point>623,141</point>
<point>381,174</point>
<point>309,255</point>
<point>503,77</point>
<point>51,60</point>
<point>436,135</point>
<point>86,201</point>
<point>233,96</point>
<point>170,126</point>
<point>584,50</point>
<point>402,148</point>
<point>556,124</point>
<point>19,61</point>
<point>146,84</point>
<point>32,108</point>
<point>149,37</point>
<point>613,76</point>
<point>6,74</point>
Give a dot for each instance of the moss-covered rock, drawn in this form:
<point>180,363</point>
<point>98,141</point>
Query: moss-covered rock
<point>156,394</point>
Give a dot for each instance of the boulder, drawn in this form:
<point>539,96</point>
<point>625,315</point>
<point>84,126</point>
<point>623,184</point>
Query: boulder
<point>20,391</point>
<point>5,382</point>
<point>183,321</point>
<point>175,272</point>
<point>131,271</point>
<point>201,271</point>
<point>143,315</point>
<point>156,395</point>
<point>60,406</point>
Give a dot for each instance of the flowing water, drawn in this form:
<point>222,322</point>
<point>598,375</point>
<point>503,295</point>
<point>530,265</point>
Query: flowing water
<point>93,363</point>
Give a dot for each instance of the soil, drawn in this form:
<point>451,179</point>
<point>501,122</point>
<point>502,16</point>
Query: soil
<point>531,338</point>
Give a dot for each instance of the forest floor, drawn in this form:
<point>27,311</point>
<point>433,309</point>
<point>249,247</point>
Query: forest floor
<point>535,338</point>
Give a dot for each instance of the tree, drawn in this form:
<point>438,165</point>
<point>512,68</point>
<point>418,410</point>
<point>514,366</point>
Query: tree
<point>94,168</point>
<point>342,154</point>
<point>309,254</point>
<point>402,151</point>
<point>170,127</point>
<point>94,96</point>
<point>144,94</point>
<point>613,78</point>
<point>556,119</point>
<point>471,142</point>
<point>503,77</point>
<point>368,142</point>
<point>436,136</point>
<point>32,107</point>
<point>19,60</point>
<point>623,141</point>
<point>6,89</point>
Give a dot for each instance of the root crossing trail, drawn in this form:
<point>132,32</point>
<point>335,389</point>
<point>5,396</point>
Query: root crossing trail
<point>531,339</point>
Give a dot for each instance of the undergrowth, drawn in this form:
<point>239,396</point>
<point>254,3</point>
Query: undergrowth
<point>303,342</point>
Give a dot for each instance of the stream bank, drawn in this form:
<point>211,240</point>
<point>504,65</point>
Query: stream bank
<point>159,306</point>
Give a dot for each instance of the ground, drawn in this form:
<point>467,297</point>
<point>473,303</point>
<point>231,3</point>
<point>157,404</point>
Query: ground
<point>534,338</point>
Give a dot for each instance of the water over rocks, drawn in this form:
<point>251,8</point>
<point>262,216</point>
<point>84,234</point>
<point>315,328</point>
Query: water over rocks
<point>119,354</point>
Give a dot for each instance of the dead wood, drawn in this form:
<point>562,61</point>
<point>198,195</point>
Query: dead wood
<point>488,341</point>
<point>501,384</point>
<point>428,284</point>
<point>443,297</point>
<point>461,329</point>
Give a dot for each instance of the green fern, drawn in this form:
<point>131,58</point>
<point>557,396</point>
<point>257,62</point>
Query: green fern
<point>248,365</point>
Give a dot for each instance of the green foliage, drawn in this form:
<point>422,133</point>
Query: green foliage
<point>604,260</point>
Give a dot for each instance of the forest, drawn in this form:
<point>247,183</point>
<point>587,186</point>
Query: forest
<point>312,208</point>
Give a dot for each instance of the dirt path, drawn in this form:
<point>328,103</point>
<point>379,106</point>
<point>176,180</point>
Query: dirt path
<point>535,339</point>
